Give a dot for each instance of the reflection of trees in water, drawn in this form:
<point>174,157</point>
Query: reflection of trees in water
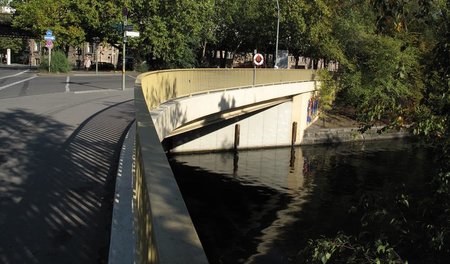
<point>264,208</point>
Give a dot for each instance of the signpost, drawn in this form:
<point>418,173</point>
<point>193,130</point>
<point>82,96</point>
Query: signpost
<point>258,60</point>
<point>127,32</point>
<point>49,38</point>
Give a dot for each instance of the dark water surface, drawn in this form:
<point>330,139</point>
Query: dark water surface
<point>262,206</point>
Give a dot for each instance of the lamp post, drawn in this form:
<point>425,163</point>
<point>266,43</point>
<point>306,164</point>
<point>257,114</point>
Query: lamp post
<point>96,41</point>
<point>125,15</point>
<point>278,32</point>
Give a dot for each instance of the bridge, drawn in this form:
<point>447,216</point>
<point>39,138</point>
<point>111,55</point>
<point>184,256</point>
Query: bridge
<point>199,110</point>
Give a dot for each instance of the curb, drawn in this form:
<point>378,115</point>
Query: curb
<point>122,245</point>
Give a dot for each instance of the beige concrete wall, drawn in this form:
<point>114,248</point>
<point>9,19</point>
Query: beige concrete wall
<point>272,127</point>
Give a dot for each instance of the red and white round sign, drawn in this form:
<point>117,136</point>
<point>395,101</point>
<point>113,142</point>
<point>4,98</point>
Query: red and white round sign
<point>258,59</point>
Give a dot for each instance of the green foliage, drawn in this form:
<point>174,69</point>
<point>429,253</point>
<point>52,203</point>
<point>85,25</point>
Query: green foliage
<point>345,249</point>
<point>173,32</point>
<point>327,93</point>
<point>59,63</point>
<point>14,44</point>
<point>72,22</point>
<point>59,16</point>
<point>142,67</point>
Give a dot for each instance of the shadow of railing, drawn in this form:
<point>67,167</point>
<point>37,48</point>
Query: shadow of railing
<point>56,194</point>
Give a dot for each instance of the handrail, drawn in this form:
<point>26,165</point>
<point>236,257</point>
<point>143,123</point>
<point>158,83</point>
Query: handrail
<point>160,86</point>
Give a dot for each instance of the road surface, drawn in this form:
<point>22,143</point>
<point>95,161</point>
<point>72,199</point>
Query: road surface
<point>60,137</point>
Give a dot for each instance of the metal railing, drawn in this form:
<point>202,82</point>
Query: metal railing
<point>160,86</point>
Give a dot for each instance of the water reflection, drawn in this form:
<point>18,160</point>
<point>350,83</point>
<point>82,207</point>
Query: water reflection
<point>262,206</point>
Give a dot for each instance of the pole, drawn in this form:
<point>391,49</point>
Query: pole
<point>8,56</point>
<point>254,68</point>
<point>96,58</point>
<point>49,58</point>
<point>123,51</point>
<point>278,31</point>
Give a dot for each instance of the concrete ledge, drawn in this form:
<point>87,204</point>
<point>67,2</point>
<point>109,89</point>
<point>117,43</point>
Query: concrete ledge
<point>122,247</point>
<point>165,232</point>
<point>340,135</point>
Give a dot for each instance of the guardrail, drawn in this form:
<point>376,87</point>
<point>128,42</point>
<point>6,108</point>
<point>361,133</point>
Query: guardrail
<point>165,233</point>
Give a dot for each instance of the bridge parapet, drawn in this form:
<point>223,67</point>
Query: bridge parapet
<point>165,233</point>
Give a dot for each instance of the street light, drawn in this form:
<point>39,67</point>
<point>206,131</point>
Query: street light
<point>96,41</point>
<point>278,32</point>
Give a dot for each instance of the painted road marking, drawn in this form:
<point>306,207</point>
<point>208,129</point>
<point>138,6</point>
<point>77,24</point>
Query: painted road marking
<point>15,83</point>
<point>97,91</point>
<point>17,74</point>
<point>67,84</point>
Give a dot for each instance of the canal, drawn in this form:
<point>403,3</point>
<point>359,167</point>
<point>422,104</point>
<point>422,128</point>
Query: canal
<point>262,206</point>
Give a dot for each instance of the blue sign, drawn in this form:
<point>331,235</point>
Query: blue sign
<point>49,36</point>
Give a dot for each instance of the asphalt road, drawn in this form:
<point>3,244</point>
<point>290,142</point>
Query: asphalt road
<point>15,83</point>
<point>60,137</point>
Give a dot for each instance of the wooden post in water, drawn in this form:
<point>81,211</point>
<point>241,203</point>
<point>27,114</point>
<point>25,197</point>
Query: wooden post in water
<point>294,133</point>
<point>237,131</point>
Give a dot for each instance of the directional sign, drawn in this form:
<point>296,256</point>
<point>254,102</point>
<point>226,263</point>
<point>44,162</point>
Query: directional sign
<point>49,35</point>
<point>118,27</point>
<point>132,34</point>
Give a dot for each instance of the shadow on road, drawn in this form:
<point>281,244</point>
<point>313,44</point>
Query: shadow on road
<point>56,193</point>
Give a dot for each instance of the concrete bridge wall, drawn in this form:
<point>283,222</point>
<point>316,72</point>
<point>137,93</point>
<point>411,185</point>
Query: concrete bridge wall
<point>265,118</point>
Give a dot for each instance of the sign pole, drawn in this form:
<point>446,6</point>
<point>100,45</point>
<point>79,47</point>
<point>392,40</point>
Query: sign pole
<point>49,38</point>
<point>125,14</point>
<point>254,68</point>
<point>49,58</point>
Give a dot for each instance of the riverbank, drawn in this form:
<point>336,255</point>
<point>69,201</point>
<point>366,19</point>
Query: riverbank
<point>339,129</point>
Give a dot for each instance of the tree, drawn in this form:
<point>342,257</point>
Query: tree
<point>395,67</point>
<point>172,32</point>
<point>40,15</point>
<point>72,22</point>
<point>15,44</point>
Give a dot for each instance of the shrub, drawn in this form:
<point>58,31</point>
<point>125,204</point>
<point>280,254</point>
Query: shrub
<point>142,67</point>
<point>59,62</point>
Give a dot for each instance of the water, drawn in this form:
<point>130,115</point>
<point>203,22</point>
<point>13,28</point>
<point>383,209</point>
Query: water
<point>262,206</point>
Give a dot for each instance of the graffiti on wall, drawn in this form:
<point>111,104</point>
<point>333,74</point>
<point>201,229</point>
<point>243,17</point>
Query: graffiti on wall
<point>313,109</point>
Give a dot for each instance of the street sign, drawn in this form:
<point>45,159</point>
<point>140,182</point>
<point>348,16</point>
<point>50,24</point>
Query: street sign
<point>128,27</point>
<point>49,35</point>
<point>258,59</point>
<point>132,34</point>
<point>118,27</point>
<point>49,44</point>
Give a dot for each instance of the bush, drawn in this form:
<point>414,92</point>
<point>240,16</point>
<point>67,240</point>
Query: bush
<point>142,67</point>
<point>59,62</point>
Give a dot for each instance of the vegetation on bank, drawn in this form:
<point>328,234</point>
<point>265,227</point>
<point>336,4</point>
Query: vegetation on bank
<point>394,59</point>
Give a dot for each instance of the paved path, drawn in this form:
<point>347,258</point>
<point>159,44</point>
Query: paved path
<point>58,154</point>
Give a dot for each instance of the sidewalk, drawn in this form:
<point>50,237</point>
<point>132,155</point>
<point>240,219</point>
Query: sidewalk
<point>58,161</point>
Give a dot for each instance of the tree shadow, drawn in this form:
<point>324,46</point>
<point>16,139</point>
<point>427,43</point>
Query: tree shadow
<point>56,193</point>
